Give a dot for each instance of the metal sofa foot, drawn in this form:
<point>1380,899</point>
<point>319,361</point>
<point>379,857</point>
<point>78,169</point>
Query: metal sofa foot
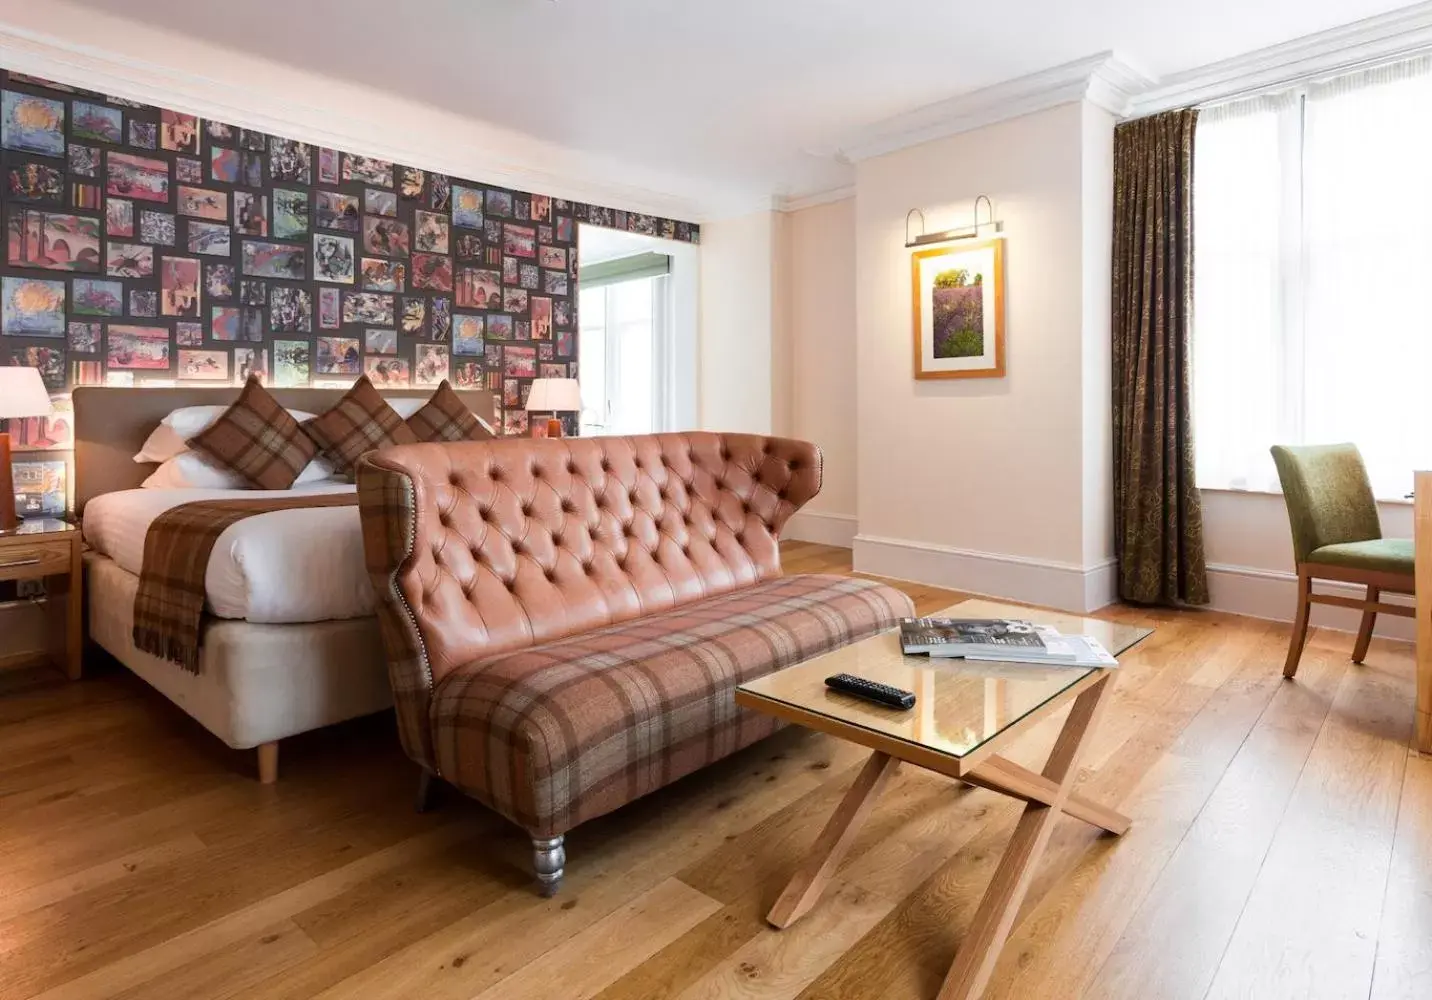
<point>549,858</point>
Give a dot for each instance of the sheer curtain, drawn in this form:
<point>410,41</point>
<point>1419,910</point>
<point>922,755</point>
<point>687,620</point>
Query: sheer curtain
<point>1313,236</point>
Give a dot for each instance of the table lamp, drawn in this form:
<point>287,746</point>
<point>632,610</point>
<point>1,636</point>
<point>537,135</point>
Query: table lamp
<point>22,394</point>
<point>554,395</point>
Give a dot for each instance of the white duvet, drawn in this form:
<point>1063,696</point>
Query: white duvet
<point>284,566</point>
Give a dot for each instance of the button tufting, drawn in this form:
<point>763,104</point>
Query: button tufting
<point>571,466</point>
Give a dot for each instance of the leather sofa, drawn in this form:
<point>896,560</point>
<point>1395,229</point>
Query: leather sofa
<point>566,621</point>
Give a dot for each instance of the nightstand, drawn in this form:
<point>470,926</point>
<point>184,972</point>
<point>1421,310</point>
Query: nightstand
<point>49,549</point>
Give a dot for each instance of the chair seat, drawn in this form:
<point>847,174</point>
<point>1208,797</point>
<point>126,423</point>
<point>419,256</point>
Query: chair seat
<point>560,733</point>
<point>1386,555</point>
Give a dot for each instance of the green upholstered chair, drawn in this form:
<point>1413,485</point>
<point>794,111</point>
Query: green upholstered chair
<point>1337,536</point>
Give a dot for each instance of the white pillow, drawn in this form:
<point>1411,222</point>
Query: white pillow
<point>189,470</point>
<point>172,435</point>
<point>408,405</point>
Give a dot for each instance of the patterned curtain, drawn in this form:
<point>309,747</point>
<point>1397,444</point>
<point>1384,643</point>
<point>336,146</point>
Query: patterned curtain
<point>1158,517</point>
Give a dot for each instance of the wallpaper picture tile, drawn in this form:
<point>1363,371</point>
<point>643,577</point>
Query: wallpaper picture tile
<point>145,246</point>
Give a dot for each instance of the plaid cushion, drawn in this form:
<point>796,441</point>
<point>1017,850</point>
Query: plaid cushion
<point>555,735</point>
<point>258,439</point>
<point>445,418</point>
<point>358,423</point>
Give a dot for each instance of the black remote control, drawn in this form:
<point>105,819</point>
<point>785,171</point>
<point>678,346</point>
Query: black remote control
<point>881,694</point>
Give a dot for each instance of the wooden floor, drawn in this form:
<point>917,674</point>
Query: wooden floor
<point>1281,847</point>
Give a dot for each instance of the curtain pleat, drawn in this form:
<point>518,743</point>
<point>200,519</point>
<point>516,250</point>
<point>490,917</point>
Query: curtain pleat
<point>1158,515</point>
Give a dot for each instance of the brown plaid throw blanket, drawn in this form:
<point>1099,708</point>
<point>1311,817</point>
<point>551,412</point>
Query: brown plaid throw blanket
<point>169,605</point>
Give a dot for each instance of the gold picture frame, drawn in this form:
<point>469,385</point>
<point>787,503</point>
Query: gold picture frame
<point>957,305</point>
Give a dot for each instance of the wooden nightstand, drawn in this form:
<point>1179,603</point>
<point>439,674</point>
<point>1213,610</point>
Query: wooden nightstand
<point>48,548</point>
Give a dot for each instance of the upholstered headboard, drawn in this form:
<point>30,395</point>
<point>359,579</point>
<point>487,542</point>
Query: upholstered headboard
<point>111,425</point>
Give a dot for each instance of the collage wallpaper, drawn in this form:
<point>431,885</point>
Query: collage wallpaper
<point>146,247</point>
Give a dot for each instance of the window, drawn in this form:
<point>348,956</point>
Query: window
<point>622,332</point>
<point>1313,242</point>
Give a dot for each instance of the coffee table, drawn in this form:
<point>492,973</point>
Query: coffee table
<point>964,714</point>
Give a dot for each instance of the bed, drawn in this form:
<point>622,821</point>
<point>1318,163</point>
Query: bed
<point>289,640</point>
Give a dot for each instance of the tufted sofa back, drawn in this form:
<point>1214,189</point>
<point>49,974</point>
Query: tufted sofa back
<point>479,548</point>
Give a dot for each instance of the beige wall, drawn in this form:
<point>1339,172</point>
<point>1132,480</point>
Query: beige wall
<point>822,335</point>
<point>981,483</point>
<point>740,329</point>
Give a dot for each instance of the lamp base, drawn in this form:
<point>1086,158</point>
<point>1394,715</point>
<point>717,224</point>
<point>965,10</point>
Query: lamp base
<point>8,520</point>
<point>554,427</point>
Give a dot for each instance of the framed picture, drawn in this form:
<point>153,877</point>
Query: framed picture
<point>958,306</point>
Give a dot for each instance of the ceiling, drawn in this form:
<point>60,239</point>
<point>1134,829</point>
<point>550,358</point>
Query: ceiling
<point>730,92</point>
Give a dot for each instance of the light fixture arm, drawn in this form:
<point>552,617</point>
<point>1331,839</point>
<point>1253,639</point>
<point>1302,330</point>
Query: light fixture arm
<point>962,233</point>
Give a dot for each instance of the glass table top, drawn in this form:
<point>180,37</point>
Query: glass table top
<point>36,525</point>
<point>960,705</point>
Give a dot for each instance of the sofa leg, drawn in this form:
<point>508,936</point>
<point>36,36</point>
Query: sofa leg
<point>429,787</point>
<point>549,858</point>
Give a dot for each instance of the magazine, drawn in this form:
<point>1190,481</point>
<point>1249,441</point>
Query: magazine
<point>1080,650</point>
<point>965,636</point>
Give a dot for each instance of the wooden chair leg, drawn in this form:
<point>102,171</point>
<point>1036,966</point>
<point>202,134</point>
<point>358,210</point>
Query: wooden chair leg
<point>1300,625</point>
<point>268,763</point>
<point>1364,631</point>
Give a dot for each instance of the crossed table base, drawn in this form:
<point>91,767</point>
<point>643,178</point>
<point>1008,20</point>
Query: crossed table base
<point>1048,795</point>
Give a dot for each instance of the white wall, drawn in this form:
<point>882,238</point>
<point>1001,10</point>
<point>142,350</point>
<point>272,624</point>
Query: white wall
<point>1097,370</point>
<point>739,326</point>
<point>821,273</point>
<point>980,484</point>
<point>1249,547</point>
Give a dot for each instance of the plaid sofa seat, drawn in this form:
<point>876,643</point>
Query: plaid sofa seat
<point>557,734</point>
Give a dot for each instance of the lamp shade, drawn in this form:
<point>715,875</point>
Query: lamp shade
<point>23,393</point>
<point>555,395</point>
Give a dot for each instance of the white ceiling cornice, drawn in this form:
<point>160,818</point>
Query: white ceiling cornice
<point>1103,79</point>
<point>1387,36</point>
<point>556,172</point>
<point>797,202</point>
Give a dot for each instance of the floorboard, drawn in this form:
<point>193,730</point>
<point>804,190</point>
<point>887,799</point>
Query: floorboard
<point>1281,847</point>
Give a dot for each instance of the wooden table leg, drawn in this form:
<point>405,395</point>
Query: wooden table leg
<point>830,847</point>
<point>1007,777</point>
<point>979,951</point>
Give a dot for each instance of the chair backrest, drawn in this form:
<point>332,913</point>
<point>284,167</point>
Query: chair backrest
<point>1328,495</point>
<point>479,548</point>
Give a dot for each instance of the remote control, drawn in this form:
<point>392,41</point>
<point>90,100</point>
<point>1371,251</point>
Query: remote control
<point>881,694</point>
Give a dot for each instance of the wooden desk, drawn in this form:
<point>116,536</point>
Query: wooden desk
<point>1422,531</point>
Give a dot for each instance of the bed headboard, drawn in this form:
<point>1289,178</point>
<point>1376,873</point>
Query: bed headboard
<point>111,425</point>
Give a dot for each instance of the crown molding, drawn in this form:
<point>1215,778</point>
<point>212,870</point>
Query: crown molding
<point>1387,36</point>
<point>1104,80</point>
<point>794,203</point>
<point>577,177</point>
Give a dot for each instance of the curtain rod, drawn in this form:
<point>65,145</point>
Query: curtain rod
<point>1370,63</point>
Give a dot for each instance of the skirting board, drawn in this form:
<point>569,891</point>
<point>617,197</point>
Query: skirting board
<point>1273,594</point>
<point>1016,578</point>
<point>826,529</point>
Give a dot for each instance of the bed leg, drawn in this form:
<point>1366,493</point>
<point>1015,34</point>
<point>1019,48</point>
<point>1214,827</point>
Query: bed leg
<point>268,762</point>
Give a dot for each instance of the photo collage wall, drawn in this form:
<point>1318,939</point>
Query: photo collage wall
<point>146,247</point>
